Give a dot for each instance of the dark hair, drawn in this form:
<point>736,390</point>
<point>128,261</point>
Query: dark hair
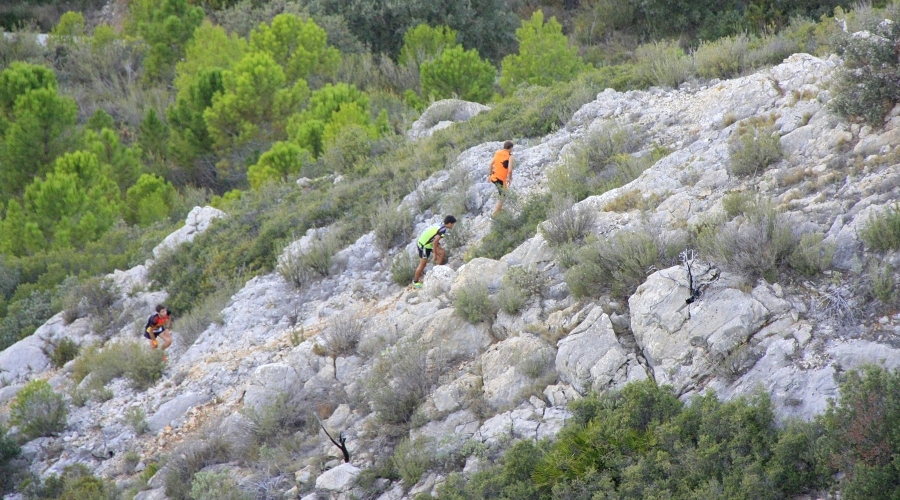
<point>160,307</point>
<point>508,145</point>
<point>449,219</point>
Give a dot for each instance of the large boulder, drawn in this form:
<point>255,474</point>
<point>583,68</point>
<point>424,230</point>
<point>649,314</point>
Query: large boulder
<point>480,271</point>
<point>591,357</point>
<point>22,359</point>
<point>450,337</point>
<point>198,221</point>
<point>683,341</point>
<point>442,114</point>
<point>339,479</point>
<point>511,367</point>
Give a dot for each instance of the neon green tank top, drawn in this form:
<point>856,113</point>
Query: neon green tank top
<point>427,238</point>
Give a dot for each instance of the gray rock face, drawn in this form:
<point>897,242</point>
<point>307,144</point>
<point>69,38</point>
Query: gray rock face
<point>681,341</point>
<point>169,412</point>
<point>442,114</point>
<point>510,367</point>
<point>23,359</point>
<point>339,479</point>
<point>481,271</point>
<point>591,357</point>
<point>198,221</point>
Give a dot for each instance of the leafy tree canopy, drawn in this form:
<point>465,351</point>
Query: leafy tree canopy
<point>458,72</point>
<point>424,43</point>
<point>299,46</point>
<point>544,55</point>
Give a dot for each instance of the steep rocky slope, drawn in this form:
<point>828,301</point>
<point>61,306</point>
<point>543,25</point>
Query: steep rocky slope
<point>496,381</point>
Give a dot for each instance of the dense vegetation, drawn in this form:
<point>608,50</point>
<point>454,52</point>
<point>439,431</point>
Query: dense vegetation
<point>644,443</point>
<point>112,129</point>
<point>110,133</point>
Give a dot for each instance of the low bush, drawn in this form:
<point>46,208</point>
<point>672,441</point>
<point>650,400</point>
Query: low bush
<point>403,268</point>
<point>861,431</point>
<point>342,334</point>
<point>284,416</point>
<point>301,267</point>
<point>392,225</point>
<point>137,419</point>
<point>512,226</point>
<point>138,363</point>
<point>191,458</point>
<point>38,410</point>
<point>208,485</point>
<point>663,63</point>
<point>867,86</point>
<point>399,382</point>
<point>882,284</point>
<point>722,58</point>
<point>737,203</point>
<point>598,163</point>
<point>617,265</point>
<point>473,303</point>
<point>757,245</point>
<point>510,299</point>
<point>881,232</point>
<point>75,482</point>
<point>754,146</point>
<point>567,224</point>
<point>63,351</point>
<point>812,255</point>
<point>411,459</point>
<point>9,468</point>
<point>24,315</point>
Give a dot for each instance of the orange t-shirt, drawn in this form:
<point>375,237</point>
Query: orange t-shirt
<point>500,166</point>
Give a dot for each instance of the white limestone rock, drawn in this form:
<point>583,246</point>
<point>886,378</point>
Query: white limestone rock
<point>339,479</point>
<point>442,114</point>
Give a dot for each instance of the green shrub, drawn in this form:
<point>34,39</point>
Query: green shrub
<point>617,265</point>
<point>812,255</point>
<point>883,285</point>
<point>518,286</point>
<point>753,147</point>
<point>9,452</point>
<point>392,226</point>
<point>301,267</point>
<point>473,303</point>
<point>403,268</point>
<point>138,363</point>
<point>76,482</point>
<point>342,334</point>
<point>512,226</point>
<point>38,410</point>
<point>511,299</point>
<point>643,439</point>
<point>284,416</point>
<point>192,457</point>
<point>137,419</point>
<point>567,224</point>
<point>24,316</point>
<point>600,162</point>
<point>63,351</point>
<point>663,63</point>
<point>738,203</point>
<point>867,87</point>
<point>882,231</point>
<point>723,58</point>
<point>217,486</point>
<point>411,459</point>
<point>758,245</point>
<point>399,382</point>
<point>861,433</point>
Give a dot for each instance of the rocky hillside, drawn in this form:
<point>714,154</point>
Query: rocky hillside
<point>364,353</point>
